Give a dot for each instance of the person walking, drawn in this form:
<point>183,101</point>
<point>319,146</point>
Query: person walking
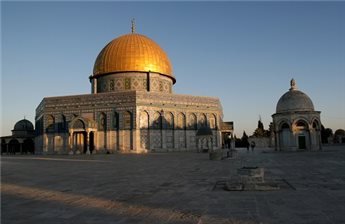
<point>252,144</point>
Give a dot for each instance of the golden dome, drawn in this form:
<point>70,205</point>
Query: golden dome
<point>130,53</point>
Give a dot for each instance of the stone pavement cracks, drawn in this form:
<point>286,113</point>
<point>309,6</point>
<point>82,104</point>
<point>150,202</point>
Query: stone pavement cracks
<point>172,188</point>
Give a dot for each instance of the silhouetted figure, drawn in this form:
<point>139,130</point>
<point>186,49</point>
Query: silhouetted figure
<point>252,144</point>
<point>247,145</point>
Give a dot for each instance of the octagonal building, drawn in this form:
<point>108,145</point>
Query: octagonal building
<point>131,108</point>
<point>296,124</point>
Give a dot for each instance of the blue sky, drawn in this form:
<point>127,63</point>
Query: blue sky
<point>245,53</point>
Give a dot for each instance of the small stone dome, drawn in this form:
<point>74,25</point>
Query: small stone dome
<point>294,100</point>
<point>23,125</point>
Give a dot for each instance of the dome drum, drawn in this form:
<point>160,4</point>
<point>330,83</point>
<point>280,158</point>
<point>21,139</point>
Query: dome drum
<point>125,81</point>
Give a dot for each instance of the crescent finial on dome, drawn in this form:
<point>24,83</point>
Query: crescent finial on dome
<point>293,84</point>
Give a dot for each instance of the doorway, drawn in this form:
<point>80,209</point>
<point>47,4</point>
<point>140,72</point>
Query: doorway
<point>80,141</point>
<point>92,141</point>
<point>301,142</point>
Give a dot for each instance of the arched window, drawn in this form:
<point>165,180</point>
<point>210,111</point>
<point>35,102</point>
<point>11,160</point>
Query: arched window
<point>128,120</point>
<point>79,124</point>
<point>62,126</point>
<point>144,120</point>
<point>102,122</point>
<point>50,123</point>
<point>116,120</point>
<point>213,121</point>
<point>169,119</point>
<point>301,124</point>
<point>157,121</point>
<point>202,120</point>
<point>316,125</point>
<point>192,122</point>
<point>285,126</point>
<point>181,121</point>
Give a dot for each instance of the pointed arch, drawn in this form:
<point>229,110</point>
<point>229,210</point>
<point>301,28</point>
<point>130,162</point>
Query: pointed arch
<point>50,119</point>
<point>213,121</point>
<point>181,121</point>
<point>102,123</point>
<point>78,124</point>
<point>169,120</point>
<point>128,120</point>
<point>116,120</point>
<point>202,120</point>
<point>144,120</point>
<point>61,122</point>
<point>192,122</point>
<point>157,120</point>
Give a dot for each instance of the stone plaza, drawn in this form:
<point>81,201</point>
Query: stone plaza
<point>172,187</point>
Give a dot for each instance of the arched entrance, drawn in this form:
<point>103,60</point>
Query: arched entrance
<point>28,146</point>
<point>14,146</point>
<point>80,143</point>
<point>302,135</point>
<point>82,138</point>
<point>284,136</point>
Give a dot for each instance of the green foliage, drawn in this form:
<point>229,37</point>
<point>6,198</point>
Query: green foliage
<point>243,141</point>
<point>260,130</point>
<point>325,134</point>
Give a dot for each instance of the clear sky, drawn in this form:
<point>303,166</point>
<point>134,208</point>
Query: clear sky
<point>245,53</point>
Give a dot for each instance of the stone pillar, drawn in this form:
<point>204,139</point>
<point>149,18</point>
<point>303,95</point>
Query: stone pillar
<point>163,133</point>
<point>135,139</point>
<point>88,143</point>
<point>105,140</point>
<point>276,141</point>
<point>176,134</point>
<point>293,141</point>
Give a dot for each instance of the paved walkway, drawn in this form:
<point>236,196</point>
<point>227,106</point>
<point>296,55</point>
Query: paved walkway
<point>172,188</point>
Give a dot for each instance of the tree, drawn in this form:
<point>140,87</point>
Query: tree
<point>244,139</point>
<point>325,134</point>
<point>260,130</point>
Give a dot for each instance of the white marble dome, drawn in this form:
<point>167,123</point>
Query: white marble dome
<point>294,100</point>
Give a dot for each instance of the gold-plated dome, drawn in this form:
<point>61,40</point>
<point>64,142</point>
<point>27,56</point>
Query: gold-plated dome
<point>133,52</point>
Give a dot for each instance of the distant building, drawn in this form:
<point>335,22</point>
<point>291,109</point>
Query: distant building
<point>132,107</point>
<point>297,126</point>
<point>21,141</point>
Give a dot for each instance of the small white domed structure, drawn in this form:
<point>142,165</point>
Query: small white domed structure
<point>296,124</point>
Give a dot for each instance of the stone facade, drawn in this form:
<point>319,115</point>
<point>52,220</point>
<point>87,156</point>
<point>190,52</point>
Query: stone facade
<point>132,121</point>
<point>131,107</point>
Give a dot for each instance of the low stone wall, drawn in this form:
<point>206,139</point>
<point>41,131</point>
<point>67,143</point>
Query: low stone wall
<point>263,142</point>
